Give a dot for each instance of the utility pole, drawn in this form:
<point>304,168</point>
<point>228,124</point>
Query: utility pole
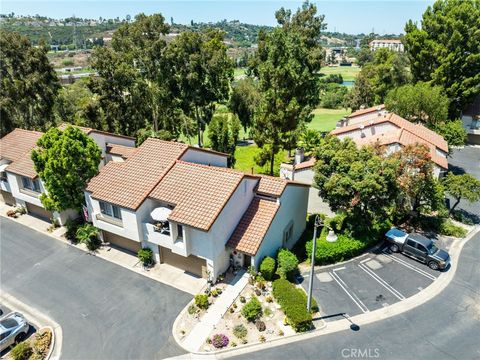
<point>317,223</point>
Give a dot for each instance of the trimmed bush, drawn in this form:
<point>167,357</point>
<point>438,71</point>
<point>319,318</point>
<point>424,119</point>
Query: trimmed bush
<point>145,255</point>
<point>72,225</point>
<point>21,351</point>
<point>293,304</point>
<point>252,310</point>
<point>267,268</point>
<point>240,331</point>
<point>201,301</point>
<point>287,264</point>
<point>448,228</point>
<point>219,341</point>
<point>329,253</point>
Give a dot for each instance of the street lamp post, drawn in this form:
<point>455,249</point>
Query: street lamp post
<point>317,223</point>
<point>330,238</point>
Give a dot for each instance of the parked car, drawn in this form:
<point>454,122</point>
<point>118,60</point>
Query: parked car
<point>13,329</point>
<point>418,247</point>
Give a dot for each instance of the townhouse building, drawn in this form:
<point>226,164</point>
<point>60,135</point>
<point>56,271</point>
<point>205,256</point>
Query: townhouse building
<point>192,211</point>
<point>20,184</point>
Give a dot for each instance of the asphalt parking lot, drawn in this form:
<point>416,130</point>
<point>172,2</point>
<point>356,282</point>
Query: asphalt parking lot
<point>5,311</point>
<point>370,282</point>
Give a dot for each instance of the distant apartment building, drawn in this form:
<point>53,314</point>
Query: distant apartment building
<point>391,44</point>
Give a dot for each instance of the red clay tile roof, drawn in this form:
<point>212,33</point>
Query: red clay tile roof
<point>121,150</point>
<point>366,111</point>
<point>250,231</point>
<point>420,131</point>
<point>128,183</point>
<point>18,142</point>
<point>270,185</point>
<point>88,131</point>
<point>198,192</point>
<point>23,166</point>
<point>403,137</point>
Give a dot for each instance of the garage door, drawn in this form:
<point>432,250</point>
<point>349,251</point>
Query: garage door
<point>39,212</point>
<point>121,242</point>
<point>191,264</point>
<point>7,198</point>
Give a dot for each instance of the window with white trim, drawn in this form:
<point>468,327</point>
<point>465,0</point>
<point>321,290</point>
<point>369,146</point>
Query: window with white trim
<point>287,233</point>
<point>110,210</point>
<point>33,185</point>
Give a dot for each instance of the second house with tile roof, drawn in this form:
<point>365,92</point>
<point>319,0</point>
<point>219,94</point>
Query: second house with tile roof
<point>19,182</point>
<point>192,211</point>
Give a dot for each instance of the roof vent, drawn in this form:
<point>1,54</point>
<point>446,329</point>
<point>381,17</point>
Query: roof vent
<point>379,108</point>
<point>361,126</point>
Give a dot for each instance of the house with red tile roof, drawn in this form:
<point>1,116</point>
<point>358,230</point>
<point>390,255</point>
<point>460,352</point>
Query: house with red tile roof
<point>393,132</point>
<point>192,211</point>
<point>20,184</point>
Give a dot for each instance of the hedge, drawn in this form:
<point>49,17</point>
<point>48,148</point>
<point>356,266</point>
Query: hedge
<point>293,304</point>
<point>343,249</point>
<point>287,264</point>
<point>267,268</point>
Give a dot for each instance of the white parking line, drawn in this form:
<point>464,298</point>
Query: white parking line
<point>381,281</point>
<point>352,295</point>
<point>410,266</point>
<point>365,260</point>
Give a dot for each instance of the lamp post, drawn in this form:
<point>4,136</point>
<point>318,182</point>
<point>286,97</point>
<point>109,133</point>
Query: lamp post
<point>331,237</point>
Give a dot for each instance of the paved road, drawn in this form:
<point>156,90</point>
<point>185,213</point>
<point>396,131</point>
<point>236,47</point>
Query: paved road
<point>446,327</point>
<point>106,311</point>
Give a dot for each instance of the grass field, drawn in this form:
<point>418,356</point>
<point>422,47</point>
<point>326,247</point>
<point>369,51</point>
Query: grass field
<point>349,73</point>
<point>326,119</point>
<point>244,156</point>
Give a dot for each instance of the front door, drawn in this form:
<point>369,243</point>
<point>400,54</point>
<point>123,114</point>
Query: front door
<point>247,261</point>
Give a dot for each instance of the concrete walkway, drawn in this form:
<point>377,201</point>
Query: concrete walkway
<point>163,273</point>
<point>200,332</point>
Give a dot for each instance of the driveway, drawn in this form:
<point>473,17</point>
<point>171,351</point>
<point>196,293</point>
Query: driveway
<point>466,160</point>
<point>445,327</point>
<point>105,311</point>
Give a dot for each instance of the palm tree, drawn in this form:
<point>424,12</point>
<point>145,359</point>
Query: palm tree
<point>87,234</point>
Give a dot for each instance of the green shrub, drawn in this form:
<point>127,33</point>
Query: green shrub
<point>145,255</point>
<point>201,301</point>
<point>448,228</point>
<point>240,331</point>
<point>87,234</point>
<point>192,309</point>
<point>287,264</point>
<point>67,62</point>
<point>293,304</point>
<point>267,268</point>
<point>21,351</point>
<point>72,225</point>
<point>343,249</point>
<point>260,325</point>
<point>252,310</point>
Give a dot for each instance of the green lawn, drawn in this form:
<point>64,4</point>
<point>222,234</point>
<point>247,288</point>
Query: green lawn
<point>349,73</point>
<point>237,72</point>
<point>326,119</point>
<point>244,156</point>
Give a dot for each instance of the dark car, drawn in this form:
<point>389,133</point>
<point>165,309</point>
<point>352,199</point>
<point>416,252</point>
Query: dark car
<point>418,247</point>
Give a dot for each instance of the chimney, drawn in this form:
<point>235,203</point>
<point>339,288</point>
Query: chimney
<point>362,107</point>
<point>299,155</point>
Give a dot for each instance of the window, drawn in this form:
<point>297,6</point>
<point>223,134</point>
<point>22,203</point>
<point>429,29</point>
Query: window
<point>110,210</point>
<point>30,184</point>
<point>3,176</point>
<point>422,248</point>
<point>411,243</point>
<point>5,335</point>
<point>287,234</point>
<point>179,231</point>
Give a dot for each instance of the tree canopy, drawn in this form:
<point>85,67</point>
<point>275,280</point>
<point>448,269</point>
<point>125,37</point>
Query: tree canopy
<point>29,84</point>
<point>286,66</point>
<point>444,50</point>
<point>223,134</point>
<point>385,72</point>
<point>65,161</point>
<point>463,186</point>
<point>244,101</point>
<point>419,103</point>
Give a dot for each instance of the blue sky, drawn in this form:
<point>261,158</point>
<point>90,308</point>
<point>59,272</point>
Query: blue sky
<point>350,16</point>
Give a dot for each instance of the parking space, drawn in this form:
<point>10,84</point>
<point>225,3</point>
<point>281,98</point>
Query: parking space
<point>373,281</point>
<point>31,330</point>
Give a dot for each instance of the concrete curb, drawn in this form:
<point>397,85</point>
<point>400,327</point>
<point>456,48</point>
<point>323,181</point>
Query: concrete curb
<point>398,308</point>
<point>38,319</point>
<point>52,343</point>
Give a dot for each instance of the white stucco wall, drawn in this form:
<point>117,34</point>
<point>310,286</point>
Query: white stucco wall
<point>369,131</point>
<point>305,175</point>
<point>293,209</point>
<point>211,245</point>
<point>198,156</point>
<point>366,117</point>
<point>103,139</point>
<point>131,227</point>
<point>15,182</point>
